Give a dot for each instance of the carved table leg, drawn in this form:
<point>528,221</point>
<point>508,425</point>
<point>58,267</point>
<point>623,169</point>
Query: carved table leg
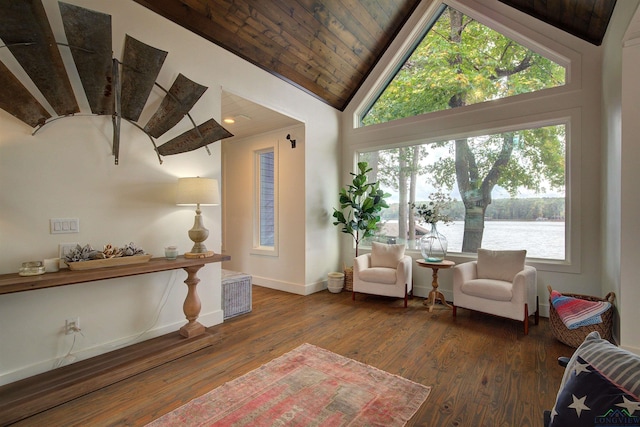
<point>192,304</point>
<point>435,294</point>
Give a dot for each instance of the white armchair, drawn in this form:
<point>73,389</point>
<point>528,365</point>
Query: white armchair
<point>498,283</point>
<point>385,271</point>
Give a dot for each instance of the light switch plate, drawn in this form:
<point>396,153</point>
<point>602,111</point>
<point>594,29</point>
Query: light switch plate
<point>64,225</point>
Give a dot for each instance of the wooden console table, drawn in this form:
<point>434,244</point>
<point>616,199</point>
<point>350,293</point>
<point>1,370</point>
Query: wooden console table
<point>21,399</point>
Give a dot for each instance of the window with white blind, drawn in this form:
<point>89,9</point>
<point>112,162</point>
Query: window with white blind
<point>265,208</point>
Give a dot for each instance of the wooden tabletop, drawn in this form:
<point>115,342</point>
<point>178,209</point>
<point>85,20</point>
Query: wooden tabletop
<point>436,264</point>
<point>13,282</point>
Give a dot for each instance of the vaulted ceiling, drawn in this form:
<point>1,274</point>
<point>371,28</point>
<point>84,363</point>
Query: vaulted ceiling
<point>328,47</point>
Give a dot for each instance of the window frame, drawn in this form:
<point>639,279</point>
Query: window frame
<point>257,248</point>
<point>548,106</point>
<point>524,38</point>
<point>571,118</point>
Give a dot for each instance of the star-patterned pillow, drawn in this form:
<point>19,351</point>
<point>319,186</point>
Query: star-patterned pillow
<point>588,398</point>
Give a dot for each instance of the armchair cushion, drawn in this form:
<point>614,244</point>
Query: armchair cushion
<point>500,265</point>
<point>496,290</point>
<point>379,275</point>
<point>383,255</point>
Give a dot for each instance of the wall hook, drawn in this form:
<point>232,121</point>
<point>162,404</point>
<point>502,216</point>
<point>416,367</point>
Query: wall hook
<point>293,141</point>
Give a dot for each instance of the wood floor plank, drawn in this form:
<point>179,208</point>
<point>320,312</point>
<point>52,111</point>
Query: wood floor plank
<point>482,369</point>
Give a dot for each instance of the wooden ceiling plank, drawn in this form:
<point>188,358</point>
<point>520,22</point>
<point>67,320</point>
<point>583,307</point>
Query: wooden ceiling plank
<point>586,22</point>
<point>539,7</point>
<point>238,20</point>
<point>582,14</point>
<point>310,30</point>
<point>388,7</point>
<point>227,35</point>
<point>602,11</point>
<point>321,37</point>
<point>380,39</point>
<point>297,35</point>
<point>366,20</point>
<point>577,17</point>
<point>411,4</point>
<point>358,21</point>
<point>555,8</point>
<point>568,12</point>
<point>278,59</point>
<point>264,25</point>
<point>284,61</point>
<point>331,77</point>
<point>304,66</point>
<point>377,13</point>
<point>332,25</point>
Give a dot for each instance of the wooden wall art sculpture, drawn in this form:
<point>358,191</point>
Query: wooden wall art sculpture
<point>112,87</point>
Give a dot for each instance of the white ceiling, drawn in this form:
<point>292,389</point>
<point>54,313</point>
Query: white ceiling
<point>251,118</point>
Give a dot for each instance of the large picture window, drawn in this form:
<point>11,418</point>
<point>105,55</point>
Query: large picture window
<point>265,222</point>
<point>460,62</point>
<point>507,190</point>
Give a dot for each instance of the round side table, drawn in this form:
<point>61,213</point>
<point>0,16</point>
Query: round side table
<point>435,293</point>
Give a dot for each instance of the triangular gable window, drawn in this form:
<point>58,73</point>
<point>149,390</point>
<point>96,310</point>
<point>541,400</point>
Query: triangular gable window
<point>460,62</point>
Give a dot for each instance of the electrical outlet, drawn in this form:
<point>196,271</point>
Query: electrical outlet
<point>71,326</point>
<point>65,248</point>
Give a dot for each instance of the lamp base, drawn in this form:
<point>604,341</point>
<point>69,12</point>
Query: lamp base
<point>199,254</point>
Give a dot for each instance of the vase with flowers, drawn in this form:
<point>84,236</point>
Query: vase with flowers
<point>433,244</point>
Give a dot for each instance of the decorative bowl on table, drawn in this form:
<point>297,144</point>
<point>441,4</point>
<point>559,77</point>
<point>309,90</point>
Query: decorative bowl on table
<point>87,258</point>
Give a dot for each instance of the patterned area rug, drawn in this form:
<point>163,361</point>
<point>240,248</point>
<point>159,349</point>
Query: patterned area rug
<point>308,386</point>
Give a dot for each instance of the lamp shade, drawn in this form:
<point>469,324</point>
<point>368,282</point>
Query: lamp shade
<point>194,191</point>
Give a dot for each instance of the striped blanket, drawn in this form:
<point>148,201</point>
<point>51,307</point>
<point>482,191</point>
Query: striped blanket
<point>576,312</point>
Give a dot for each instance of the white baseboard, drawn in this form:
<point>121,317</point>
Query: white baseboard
<point>293,288</point>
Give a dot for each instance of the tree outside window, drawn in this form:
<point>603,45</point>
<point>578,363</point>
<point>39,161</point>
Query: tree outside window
<point>515,181</point>
<point>461,62</point>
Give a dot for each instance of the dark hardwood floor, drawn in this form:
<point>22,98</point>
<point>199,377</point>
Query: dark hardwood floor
<point>482,369</point>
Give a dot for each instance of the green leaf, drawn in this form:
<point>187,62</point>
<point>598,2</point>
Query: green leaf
<point>359,203</point>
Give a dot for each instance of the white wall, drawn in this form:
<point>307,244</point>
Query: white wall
<point>284,269</point>
<point>303,260</point>
<point>629,295</point>
<point>579,100</point>
<point>620,92</point>
<point>66,170</point>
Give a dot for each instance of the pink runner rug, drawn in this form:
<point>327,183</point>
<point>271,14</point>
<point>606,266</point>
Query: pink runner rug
<point>308,386</point>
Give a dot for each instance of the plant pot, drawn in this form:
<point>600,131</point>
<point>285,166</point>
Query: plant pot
<point>335,282</point>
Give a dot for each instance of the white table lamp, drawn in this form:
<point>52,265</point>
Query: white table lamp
<point>198,192</point>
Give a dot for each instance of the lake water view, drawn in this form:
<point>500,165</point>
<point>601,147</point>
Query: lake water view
<point>541,239</point>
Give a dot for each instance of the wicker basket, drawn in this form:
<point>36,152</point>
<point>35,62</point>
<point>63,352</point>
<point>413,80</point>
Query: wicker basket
<point>348,278</point>
<point>575,337</point>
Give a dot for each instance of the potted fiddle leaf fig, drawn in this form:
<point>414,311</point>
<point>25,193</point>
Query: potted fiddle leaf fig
<point>360,206</point>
